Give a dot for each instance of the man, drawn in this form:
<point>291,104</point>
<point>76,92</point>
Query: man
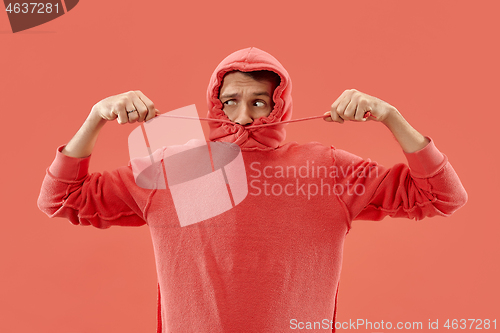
<point>273,261</point>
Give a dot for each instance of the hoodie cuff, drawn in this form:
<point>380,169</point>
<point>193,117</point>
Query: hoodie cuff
<point>426,162</point>
<point>69,168</point>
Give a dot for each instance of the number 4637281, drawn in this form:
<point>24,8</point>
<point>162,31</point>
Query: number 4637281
<point>479,324</point>
<point>32,7</point>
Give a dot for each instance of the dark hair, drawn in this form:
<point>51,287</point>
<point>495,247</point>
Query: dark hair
<point>264,76</point>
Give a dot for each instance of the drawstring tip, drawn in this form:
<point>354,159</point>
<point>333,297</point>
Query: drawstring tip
<point>369,114</point>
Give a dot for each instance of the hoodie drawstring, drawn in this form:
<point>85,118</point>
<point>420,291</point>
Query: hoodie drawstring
<point>367,114</point>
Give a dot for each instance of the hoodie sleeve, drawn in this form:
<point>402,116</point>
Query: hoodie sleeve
<point>427,186</point>
<point>100,200</point>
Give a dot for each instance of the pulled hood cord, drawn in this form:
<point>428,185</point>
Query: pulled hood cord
<point>367,114</point>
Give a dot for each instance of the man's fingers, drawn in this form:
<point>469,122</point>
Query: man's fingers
<point>132,116</point>
<point>127,107</point>
<point>337,101</point>
<point>357,106</point>
<point>333,116</point>
<point>345,99</point>
<point>360,113</point>
<point>150,107</point>
<point>327,116</point>
<point>137,104</point>
<point>338,107</point>
<point>350,110</point>
<point>121,114</point>
<point>362,107</point>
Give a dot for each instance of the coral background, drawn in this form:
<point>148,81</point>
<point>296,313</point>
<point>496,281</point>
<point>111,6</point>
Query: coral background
<point>436,61</point>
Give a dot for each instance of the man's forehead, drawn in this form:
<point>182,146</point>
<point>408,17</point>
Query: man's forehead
<point>241,80</point>
<point>231,94</point>
<point>237,76</point>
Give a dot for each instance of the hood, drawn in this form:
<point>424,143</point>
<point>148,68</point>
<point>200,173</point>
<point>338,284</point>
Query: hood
<point>264,138</point>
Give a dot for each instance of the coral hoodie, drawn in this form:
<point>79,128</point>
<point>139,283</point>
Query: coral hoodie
<point>265,138</point>
<point>274,260</point>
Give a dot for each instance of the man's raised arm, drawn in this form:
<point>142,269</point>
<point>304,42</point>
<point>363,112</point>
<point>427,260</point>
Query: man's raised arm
<point>354,105</point>
<point>101,200</point>
<point>128,107</point>
<point>427,186</point>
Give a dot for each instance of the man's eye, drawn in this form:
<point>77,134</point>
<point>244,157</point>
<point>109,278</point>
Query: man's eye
<point>230,102</point>
<point>260,104</point>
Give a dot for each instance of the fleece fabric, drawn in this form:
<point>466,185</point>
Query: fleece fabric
<point>265,138</point>
<point>274,260</point>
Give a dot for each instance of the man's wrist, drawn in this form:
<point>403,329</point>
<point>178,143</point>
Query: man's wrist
<point>82,144</point>
<point>393,118</point>
<point>409,139</point>
<point>95,119</point>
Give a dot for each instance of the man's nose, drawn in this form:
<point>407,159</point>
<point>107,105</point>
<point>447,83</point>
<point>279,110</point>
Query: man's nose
<point>243,115</point>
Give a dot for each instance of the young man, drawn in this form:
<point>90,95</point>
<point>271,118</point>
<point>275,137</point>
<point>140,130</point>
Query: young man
<point>274,259</point>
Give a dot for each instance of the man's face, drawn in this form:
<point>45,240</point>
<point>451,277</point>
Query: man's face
<point>245,99</point>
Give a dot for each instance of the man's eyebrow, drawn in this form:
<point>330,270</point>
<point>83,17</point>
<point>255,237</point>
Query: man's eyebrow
<point>228,95</point>
<point>258,93</point>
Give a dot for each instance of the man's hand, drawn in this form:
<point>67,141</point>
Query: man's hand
<point>119,106</point>
<point>111,108</point>
<point>354,105</point>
